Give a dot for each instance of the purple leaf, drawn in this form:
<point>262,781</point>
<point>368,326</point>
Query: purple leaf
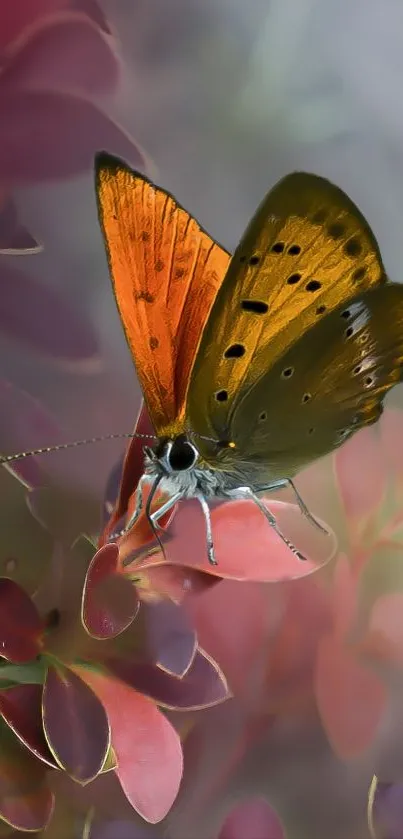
<point>386,811</point>
<point>21,708</point>
<point>75,724</point>
<point>39,317</point>
<point>202,686</point>
<point>21,627</point>
<point>48,136</point>
<point>172,641</point>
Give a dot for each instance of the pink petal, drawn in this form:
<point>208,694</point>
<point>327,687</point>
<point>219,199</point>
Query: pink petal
<point>66,51</point>
<point>361,474</point>
<point>246,546</point>
<point>110,602</point>
<point>26,801</point>
<point>351,699</point>
<point>252,817</point>
<point>15,239</point>
<point>48,135</point>
<point>147,747</point>
<point>15,17</point>
<point>40,318</point>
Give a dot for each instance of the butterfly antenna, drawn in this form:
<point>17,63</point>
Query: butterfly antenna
<point>10,458</point>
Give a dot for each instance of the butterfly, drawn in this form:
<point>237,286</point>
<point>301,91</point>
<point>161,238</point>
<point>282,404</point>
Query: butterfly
<point>252,366</point>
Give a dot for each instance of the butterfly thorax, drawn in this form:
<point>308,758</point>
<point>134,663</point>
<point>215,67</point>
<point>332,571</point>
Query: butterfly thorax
<point>177,461</point>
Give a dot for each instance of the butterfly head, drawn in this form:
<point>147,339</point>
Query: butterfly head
<point>173,455</point>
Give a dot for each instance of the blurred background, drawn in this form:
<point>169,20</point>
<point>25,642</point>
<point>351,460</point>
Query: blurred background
<point>223,99</point>
<point>215,101</point>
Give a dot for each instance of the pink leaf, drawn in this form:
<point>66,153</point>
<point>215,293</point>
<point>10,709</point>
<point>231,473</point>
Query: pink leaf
<point>171,638</point>
<point>110,601</point>
<point>39,317</point>
<point>361,474</point>
<point>252,817</point>
<point>67,52</point>
<point>20,625</point>
<point>385,631</point>
<point>246,546</point>
<point>75,724</point>
<point>351,699</point>
<point>146,745</point>
<point>344,596</point>
<point>47,135</point>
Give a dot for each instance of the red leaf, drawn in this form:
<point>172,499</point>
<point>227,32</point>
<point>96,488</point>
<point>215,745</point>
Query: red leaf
<point>47,135</point>
<point>253,817</point>
<point>350,697</point>
<point>110,601</point>
<point>67,52</point>
<point>20,625</point>
<point>146,745</point>
<point>25,800</point>
<point>75,724</point>
<point>39,317</point>
<point>21,707</point>
<point>202,686</point>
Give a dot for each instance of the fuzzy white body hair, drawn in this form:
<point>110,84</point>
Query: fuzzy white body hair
<point>190,482</point>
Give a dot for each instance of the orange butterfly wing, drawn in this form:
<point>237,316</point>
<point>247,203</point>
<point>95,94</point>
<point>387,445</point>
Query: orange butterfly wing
<point>165,272</point>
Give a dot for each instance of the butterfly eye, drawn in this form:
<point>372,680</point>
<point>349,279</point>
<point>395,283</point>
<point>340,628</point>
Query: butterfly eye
<point>369,381</point>
<point>221,395</point>
<point>294,250</point>
<point>278,247</point>
<point>235,351</point>
<point>287,372</point>
<point>357,370</point>
<point>313,285</point>
<point>346,314</point>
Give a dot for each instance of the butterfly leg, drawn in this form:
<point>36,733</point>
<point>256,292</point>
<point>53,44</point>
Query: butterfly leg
<point>209,532</point>
<point>165,508</point>
<point>139,503</point>
<point>285,483</point>
<point>247,492</point>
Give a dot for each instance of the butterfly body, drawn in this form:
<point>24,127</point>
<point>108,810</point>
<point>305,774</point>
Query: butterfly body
<point>251,366</point>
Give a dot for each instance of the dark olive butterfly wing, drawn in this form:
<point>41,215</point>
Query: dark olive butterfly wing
<point>307,251</point>
<point>330,383</point>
